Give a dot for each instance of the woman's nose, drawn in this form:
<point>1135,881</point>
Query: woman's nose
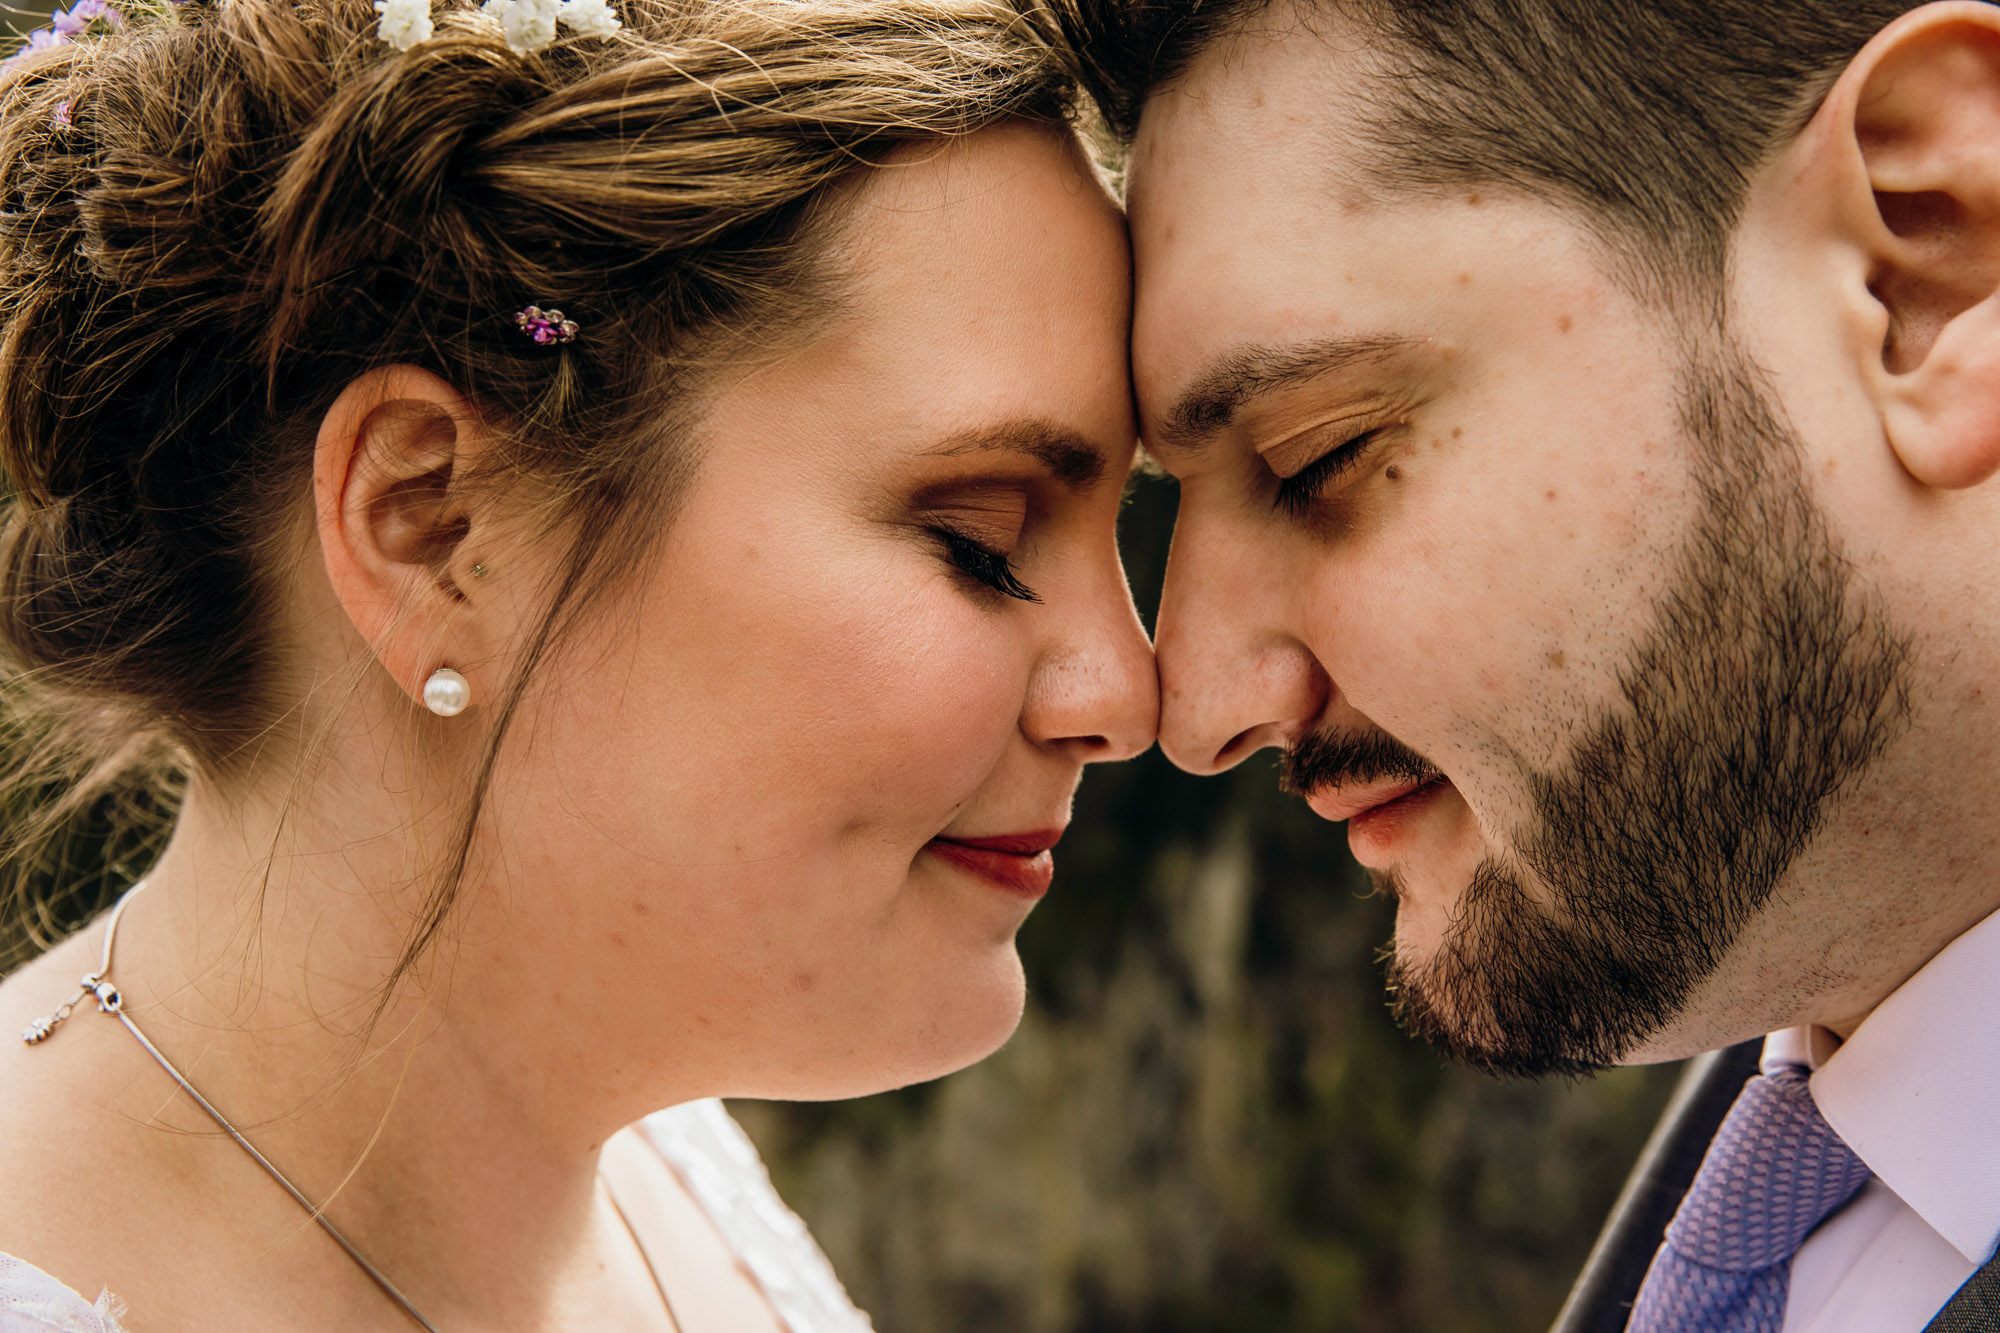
<point>1096,691</point>
<point>1234,677</point>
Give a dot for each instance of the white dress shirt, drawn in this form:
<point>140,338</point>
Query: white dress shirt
<point>1915,1092</point>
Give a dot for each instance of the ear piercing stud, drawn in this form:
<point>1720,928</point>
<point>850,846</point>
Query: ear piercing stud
<point>447,693</point>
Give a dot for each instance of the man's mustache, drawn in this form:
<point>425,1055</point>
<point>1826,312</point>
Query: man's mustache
<point>1327,759</point>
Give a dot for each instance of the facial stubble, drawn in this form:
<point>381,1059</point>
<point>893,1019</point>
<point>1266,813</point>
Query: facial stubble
<point>1769,679</point>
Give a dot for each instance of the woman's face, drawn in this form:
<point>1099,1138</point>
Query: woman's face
<point>888,624</point>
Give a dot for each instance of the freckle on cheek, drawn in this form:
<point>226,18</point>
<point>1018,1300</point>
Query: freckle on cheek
<point>640,907</point>
<point>1556,659</point>
<point>1565,323</point>
<point>1457,432</point>
<point>617,940</point>
<point>1552,495</point>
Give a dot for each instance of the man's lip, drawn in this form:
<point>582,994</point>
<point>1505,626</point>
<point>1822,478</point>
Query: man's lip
<point>1336,804</point>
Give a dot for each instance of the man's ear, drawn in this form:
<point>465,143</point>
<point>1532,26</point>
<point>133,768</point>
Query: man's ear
<point>396,534</point>
<point>1919,109</point>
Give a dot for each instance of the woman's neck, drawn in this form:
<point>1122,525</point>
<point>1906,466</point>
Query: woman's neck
<point>432,1136</point>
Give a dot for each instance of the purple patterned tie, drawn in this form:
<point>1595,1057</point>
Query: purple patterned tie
<point>1775,1171</point>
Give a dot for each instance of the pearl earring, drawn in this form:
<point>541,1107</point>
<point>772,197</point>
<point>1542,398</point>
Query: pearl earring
<point>447,693</point>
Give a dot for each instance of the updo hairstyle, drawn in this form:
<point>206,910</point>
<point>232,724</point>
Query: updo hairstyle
<point>216,217</point>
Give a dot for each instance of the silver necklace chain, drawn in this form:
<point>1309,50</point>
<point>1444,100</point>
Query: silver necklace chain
<point>98,985</point>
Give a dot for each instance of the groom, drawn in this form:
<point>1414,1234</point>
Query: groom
<point>1587,418</point>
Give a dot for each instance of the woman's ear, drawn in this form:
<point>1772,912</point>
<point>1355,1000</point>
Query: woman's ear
<point>395,531</point>
<point>1919,110</point>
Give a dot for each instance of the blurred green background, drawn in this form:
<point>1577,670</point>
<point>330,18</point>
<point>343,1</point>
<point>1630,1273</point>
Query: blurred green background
<point>1207,1120</point>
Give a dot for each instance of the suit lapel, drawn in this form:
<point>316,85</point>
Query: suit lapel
<point>1976,1306</point>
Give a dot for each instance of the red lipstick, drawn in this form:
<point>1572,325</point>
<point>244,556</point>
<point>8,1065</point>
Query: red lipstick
<point>1019,863</point>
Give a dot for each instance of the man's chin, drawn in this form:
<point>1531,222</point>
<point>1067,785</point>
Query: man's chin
<point>1523,998</point>
<point>1468,1032</point>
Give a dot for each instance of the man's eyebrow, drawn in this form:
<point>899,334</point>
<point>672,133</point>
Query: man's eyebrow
<point>1070,458</point>
<point>1211,403</point>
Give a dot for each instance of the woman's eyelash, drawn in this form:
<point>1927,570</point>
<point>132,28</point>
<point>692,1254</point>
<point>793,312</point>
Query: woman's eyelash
<point>1298,492</point>
<point>984,563</point>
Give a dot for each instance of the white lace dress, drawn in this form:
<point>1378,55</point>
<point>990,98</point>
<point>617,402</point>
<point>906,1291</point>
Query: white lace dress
<point>708,1153</point>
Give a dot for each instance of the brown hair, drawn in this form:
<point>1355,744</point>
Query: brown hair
<point>1648,117</point>
<point>213,220</point>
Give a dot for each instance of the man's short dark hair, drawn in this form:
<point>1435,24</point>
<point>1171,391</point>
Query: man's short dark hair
<point>1648,116</point>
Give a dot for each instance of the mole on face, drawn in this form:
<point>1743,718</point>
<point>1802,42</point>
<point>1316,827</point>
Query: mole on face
<point>1565,323</point>
<point>1556,659</point>
<point>1393,473</point>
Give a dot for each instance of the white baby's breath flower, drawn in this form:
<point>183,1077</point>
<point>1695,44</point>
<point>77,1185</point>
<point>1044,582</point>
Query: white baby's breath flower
<point>590,18</point>
<point>530,25</point>
<point>404,23</point>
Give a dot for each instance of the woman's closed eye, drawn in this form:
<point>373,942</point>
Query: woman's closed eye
<point>978,532</point>
<point>981,562</point>
<point>1297,493</point>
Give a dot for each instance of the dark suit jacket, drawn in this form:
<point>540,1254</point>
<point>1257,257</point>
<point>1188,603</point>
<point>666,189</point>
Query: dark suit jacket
<point>1601,1300</point>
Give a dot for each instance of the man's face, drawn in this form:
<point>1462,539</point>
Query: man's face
<point>1530,585</point>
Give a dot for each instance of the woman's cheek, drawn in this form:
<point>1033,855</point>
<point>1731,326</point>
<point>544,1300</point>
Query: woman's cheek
<point>945,705</point>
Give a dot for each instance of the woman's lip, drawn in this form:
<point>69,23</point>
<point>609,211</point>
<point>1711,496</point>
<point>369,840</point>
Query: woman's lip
<point>1019,863</point>
<point>1017,844</point>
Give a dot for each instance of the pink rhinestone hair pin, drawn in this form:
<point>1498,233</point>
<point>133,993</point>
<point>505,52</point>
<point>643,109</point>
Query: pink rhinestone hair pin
<point>546,326</point>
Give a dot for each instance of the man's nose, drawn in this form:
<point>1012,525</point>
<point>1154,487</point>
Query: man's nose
<point>1235,676</point>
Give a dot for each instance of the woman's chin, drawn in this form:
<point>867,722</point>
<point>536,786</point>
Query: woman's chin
<point>969,1016</point>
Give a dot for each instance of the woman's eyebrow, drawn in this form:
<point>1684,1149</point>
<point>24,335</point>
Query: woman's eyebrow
<point>1070,458</point>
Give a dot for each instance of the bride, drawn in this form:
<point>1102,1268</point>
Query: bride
<point>612,508</point>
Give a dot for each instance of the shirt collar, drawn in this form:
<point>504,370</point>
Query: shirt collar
<point>1914,1091</point>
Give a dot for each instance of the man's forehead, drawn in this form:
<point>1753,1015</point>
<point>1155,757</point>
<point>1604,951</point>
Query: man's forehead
<point>1236,190</point>
<point>1285,86</point>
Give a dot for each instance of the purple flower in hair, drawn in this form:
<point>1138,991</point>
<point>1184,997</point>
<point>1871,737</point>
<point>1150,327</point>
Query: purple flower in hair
<point>61,117</point>
<point>76,20</point>
<point>41,39</point>
<point>546,326</point>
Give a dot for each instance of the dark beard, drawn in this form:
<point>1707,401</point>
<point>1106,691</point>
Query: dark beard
<point>1767,681</point>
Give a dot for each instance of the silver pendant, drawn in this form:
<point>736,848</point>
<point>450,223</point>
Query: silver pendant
<point>109,1001</point>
